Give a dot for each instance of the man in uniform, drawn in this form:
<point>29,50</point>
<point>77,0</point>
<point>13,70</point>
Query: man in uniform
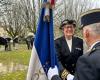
<point>68,47</point>
<point>88,65</point>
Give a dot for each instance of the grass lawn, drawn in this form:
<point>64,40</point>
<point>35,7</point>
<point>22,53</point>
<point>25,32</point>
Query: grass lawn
<point>20,56</point>
<point>18,75</point>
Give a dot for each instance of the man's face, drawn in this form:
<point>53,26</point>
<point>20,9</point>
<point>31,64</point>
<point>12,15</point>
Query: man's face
<point>68,30</point>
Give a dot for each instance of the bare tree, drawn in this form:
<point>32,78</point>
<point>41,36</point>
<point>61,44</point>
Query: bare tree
<point>19,17</point>
<point>22,15</point>
<point>12,21</point>
<point>70,9</point>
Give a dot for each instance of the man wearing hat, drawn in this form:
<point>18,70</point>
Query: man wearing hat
<point>68,48</point>
<point>88,65</point>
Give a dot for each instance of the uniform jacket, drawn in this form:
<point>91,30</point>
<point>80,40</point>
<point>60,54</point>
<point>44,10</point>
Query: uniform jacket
<point>67,59</point>
<point>88,65</point>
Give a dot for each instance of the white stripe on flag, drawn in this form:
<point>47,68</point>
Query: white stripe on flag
<point>35,70</point>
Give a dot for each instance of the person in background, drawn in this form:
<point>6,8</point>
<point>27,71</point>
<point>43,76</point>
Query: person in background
<point>88,65</point>
<point>68,47</point>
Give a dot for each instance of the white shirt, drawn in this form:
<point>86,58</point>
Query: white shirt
<point>69,42</point>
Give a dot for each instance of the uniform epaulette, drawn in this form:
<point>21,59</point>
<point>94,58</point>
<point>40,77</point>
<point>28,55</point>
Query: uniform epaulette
<point>64,74</point>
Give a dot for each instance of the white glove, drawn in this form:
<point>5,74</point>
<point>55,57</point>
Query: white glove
<point>52,72</point>
<point>70,77</point>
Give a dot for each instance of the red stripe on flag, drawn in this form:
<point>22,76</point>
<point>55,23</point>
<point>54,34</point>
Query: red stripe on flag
<point>52,2</point>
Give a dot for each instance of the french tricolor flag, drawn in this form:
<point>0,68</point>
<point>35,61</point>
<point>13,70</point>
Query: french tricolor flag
<point>43,53</point>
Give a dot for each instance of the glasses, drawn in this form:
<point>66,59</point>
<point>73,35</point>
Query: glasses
<point>68,26</point>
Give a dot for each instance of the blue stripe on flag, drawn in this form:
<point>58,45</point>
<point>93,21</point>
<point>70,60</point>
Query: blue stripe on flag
<point>44,42</point>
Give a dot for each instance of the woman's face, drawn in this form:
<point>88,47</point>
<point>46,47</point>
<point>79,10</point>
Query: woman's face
<point>68,30</point>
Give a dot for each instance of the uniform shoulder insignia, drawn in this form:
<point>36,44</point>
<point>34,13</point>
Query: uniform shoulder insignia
<point>64,74</point>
